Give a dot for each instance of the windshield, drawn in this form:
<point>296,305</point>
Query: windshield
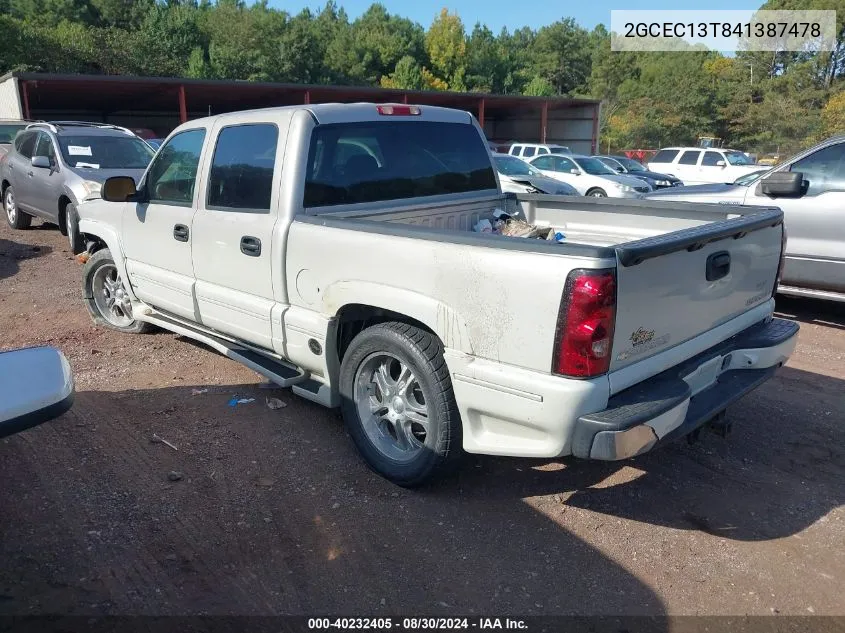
<point>594,167</point>
<point>510,166</point>
<point>105,152</point>
<point>738,158</point>
<point>8,131</point>
<point>630,164</point>
<point>747,179</point>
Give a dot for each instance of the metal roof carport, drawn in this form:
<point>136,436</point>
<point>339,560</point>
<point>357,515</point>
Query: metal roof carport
<point>161,103</point>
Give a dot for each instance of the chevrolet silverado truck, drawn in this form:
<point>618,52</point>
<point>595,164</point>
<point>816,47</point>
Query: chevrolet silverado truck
<point>331,249</point>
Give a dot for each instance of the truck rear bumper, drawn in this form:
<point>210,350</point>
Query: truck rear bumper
<point>683,398</point>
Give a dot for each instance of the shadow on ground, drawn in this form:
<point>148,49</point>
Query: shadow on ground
<point>255,511</point>
<point>12,253</point>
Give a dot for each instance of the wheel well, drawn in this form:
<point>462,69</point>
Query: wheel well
<point>4,186</point>
<point>63,202</point>
<point>354,318</point>
<point>591,189</point>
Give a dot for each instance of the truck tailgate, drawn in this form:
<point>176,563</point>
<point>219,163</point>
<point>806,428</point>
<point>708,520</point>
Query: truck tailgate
<point>674,287</point>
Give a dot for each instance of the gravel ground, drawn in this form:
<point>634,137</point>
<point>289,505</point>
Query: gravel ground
<point>264,511</point>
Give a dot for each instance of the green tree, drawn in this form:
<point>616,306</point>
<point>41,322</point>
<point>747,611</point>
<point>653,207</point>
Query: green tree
<point>561,55</point>
<point>446,45</point>
<point>408,75</point>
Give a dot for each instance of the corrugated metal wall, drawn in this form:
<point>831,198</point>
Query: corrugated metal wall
<point>10,103</point>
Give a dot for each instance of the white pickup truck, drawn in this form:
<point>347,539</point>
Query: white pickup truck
<point>330,248</point>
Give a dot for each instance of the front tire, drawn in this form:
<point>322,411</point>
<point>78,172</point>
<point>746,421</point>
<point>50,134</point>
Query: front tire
<point>398,403</point>
<point>105,295</point>
<point>74,237</point>
<point>16,218</point>
<point>597,193</point>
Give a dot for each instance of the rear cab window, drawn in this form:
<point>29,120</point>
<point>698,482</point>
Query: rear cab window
<point>350,163</point>
<point>689,157</point>
<point>664,156</point>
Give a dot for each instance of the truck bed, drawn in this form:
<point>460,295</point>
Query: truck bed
<point>601,222</point>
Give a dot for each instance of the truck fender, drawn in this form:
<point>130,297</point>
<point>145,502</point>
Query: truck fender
<point>107,234</point>
<point>437,316</point>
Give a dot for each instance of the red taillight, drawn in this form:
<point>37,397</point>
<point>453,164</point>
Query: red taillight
<point>398,110</point>
<point>584,338</point>
<point>782,259</point>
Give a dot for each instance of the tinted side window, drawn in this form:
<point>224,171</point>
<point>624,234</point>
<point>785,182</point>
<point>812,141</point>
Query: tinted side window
<point>542,150</point>
<point>241,174</point>
<point>544,162</point>
<point>711,158</point>
<point>173,174</point>
<point>664,156</point>
<point>823,169</point>
<point>393,160</point>
<point>44,147</point>
<point>565,165</point>
<point>528,152</point>
<point>689,158</point>
<point>25,144</point>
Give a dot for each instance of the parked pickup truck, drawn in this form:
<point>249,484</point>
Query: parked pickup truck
<point>330,248</point>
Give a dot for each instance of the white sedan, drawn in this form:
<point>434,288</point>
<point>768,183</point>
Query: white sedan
<point>590,176</point>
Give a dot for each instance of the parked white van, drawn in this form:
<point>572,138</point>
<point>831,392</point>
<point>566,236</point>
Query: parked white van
<point>529,150</point>
<point>697,166</point>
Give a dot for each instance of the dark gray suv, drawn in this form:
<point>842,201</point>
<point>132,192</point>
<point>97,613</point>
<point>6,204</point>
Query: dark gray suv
<point>52,167</point>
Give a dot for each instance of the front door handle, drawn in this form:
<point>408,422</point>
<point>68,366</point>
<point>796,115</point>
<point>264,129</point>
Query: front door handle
<point>180,233</point>
<point>250,246</point>
<point>31,174</point>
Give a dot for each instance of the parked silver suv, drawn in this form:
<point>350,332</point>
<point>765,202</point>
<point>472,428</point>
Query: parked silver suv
<point>52,167</point>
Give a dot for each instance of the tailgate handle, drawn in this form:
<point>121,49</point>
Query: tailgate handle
<point>718,265</point>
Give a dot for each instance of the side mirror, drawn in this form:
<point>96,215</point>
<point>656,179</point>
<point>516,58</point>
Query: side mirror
<point>576,172</point>
<point>782,184</point>
<point>37,386</point>
<point>118,189</point>
<point>720,163</point>
<point>620,170</point>
<point>41,161</point>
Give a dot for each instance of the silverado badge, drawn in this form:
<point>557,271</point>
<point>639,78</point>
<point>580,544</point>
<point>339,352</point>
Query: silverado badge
<point>641,336</point>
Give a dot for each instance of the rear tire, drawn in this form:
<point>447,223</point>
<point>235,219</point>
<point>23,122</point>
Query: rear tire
<point>16,218</point>
<point>597,193</point>
<point>398,403</point>
<point>105,295</point>
<point>74,237</point>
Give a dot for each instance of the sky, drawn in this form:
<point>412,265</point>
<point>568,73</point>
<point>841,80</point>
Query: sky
<point>512,14</point>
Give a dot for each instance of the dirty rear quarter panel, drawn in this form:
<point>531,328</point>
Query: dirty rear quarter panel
<point>494,303</point>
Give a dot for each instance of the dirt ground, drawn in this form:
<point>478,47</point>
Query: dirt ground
<point>276,514</point>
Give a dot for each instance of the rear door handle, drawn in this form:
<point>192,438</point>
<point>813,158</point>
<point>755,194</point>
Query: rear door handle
<point>718,265</point>
<point>250,246</point>
<point>180,233</point>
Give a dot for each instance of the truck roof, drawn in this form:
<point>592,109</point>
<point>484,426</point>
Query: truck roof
<point>327,113</point>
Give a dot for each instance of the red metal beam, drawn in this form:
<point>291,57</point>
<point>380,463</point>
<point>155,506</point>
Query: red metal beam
<point>481,113</point>
<point>307,97</point>
<point>544,120</point>
<point>404,98</point>
<point>595,128</point>
<point>25,97</point>
<point>183,105</point>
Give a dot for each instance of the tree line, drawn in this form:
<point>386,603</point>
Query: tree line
<point>756,101</point>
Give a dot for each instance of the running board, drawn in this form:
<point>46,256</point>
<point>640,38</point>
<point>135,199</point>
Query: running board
<point>279,372</point>
<point>827,295</point>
